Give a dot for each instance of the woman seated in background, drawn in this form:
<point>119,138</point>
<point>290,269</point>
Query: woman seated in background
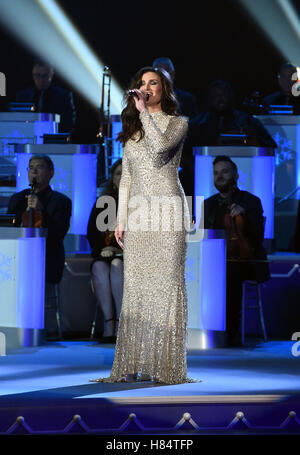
<point>107,265</point>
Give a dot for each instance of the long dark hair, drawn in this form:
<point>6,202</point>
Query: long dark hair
<point>109,188</point>
<point>131,123</point>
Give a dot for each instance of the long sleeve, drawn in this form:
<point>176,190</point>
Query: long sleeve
<point>94,236</point>
<point>254,216</point>
<point>56,216</point>
<point>124,190</point>
<point>13,203</point>
<point>163,145</point>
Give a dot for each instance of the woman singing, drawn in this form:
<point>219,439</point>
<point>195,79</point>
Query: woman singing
<point>152,220</point>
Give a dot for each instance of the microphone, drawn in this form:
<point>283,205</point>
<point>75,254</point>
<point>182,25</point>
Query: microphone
<point>133,93</point>
<point>31,210</point>
<point>33,183</point>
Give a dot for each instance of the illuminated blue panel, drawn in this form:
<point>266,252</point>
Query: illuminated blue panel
<point>263,186</point>
<point>213,294</point>
<point>41,128</point>
<point>203,181</point>
<point>117,149</point>
<point>31,283</point>
<point>84,190</point>
<point>22,173</point>
<point>203,175</point>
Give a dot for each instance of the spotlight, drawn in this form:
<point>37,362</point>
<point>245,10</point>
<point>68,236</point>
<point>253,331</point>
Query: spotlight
<point>279,21</point>
<point>46,30</point>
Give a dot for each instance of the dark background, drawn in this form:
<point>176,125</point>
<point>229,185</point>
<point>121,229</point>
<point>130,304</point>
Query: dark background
<point>206,40</point>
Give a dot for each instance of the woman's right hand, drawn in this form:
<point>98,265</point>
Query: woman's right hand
<point>140,99</point>
<point>119,235</point>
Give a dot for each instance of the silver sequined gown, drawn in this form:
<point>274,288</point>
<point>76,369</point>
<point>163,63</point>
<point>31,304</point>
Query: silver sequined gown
<point>152,329</point>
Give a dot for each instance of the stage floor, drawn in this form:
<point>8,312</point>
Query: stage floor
<point>49,384</point>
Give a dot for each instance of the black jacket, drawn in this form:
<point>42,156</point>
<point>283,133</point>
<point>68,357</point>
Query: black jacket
<point>56,100</point>
<point>56,218</point>
<point>255,222</point>
<point>187,103</point>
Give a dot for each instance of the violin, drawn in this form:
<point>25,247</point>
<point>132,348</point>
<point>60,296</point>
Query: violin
<point>238,244</point>
<point>109,238</point>
<point>32,217</point>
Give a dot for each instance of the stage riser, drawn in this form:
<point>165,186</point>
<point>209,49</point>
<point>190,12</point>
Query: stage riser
<point>104,418</point>
<point>280,296</point>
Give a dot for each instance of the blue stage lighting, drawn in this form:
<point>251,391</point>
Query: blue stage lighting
<point>45,29</point>
<point>278,19</point>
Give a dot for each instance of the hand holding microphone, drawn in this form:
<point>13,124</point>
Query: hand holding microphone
<point>140,98</point>
<point>119,235</point>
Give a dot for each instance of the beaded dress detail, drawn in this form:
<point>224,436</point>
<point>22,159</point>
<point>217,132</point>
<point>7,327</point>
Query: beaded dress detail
<point>152,329</point>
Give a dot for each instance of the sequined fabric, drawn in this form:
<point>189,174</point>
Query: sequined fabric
<point>152,329</point>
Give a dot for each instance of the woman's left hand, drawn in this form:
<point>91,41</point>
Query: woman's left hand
<point>109,251</point>
<point>236,210</point>
<point>140,100</point>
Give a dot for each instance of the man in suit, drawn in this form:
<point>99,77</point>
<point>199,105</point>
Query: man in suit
<point>55,209</point>
<point>49,97</point>
<point>246,255</point>
<point>287,78</point>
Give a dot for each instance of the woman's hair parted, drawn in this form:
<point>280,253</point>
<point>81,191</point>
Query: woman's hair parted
<point>131,124</point>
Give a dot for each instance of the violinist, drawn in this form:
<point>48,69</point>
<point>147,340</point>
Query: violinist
<point>240,214</point>
<point>51,210</point>
<point>107,264</point>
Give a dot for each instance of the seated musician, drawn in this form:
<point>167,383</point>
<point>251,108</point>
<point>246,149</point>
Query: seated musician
<point>107,264</point>
<point>48,209</point>
<point>240,213</point>
<point>219,119</point>
<point>49,97</point>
